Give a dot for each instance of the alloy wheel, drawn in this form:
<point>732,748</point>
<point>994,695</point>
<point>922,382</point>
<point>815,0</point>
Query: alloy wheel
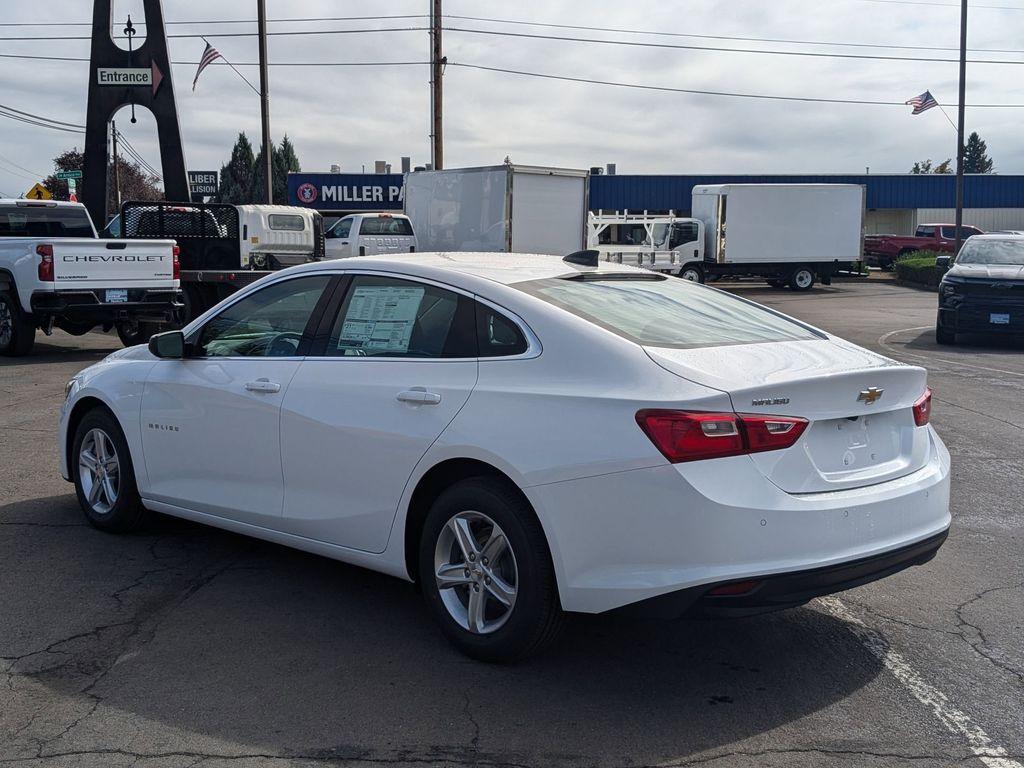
<point>99,471</point>
<point>476,572</point>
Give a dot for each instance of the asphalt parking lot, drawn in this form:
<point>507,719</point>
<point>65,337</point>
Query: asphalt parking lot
<point>188,646</point>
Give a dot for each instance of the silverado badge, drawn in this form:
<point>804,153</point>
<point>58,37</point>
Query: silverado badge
<point>869,395</point>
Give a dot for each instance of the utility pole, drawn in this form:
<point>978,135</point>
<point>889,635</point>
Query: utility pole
<point>960,127</point>
<point>437,62</point>
<point>268,161</point>
<point>117,169</point>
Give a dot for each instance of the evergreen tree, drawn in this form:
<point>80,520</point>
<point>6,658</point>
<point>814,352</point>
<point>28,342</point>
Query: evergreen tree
<point>976,159</point>
<point>236,178</point>
<point>925,166</point>
<point>285,162</point>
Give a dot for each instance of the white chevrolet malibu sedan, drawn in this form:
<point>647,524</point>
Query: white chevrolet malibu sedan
<point>522,435</point>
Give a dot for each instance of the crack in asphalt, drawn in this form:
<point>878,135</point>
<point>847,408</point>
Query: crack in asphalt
<point>978,647</point>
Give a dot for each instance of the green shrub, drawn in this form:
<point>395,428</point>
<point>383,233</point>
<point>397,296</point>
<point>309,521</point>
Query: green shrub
<point>919,268</point>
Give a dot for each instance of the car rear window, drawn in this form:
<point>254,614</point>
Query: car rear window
<point>39,221</point>
<point>386,225</point>
<point>662,311</point>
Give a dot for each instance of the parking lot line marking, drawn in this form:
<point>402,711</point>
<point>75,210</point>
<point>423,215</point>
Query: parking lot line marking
<point>955,721</point>
<point>884,339</point>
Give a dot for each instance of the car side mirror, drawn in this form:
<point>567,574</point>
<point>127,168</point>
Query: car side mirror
<point>942,262</point>
<point>168,345</point>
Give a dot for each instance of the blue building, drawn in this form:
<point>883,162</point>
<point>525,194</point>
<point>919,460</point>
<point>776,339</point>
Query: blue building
<point>896,203</point>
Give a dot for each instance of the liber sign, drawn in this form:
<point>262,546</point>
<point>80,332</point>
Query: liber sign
<point>202,183</point>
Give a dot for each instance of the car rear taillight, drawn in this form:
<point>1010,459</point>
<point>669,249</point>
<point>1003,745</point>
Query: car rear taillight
<point>923,408</point>
<point>692,436</point>
<point>176,263</point>
<point>45,252</point>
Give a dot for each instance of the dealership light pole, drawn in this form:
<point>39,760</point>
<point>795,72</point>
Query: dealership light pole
<point>268,162</point>
<point>960,127</point>
<point>437,62</point>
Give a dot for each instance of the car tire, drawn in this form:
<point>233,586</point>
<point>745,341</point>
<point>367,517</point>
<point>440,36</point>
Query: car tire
<point>132,332</point>
<point>17,333</point>
<point>101,467</point>
<point>693,273</point>
<point>944,336</point>
<point>510,624</point>
<point>802,279</point>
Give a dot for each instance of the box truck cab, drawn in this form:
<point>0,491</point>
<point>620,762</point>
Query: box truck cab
<point>369,234</point>
<point>670,243</point>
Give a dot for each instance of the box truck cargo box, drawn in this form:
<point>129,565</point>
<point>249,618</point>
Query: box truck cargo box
<point>504,208</point>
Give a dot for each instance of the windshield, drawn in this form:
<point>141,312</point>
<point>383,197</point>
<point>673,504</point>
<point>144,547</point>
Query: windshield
<point>666,311</point>
<point>993,251</point>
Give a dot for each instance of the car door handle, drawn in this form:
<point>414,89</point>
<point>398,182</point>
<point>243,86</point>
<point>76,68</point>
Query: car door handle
<point>263,385</point>
<point>419,396</point>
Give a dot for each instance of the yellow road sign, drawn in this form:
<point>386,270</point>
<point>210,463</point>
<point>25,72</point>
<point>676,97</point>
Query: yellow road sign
<point>38,192</point>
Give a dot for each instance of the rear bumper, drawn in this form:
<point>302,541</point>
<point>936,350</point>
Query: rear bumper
<point>91,305</point>
<point>631,536</point>
<point>787,590</point>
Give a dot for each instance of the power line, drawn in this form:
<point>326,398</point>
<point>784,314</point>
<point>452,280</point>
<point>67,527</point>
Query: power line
<point>21,167</point>
<point>288,33</point>
<point>946,5</point>
<point>719,49</point>
<point>137,156</point>
<point>222,21</point>
<point>769,97</point>
<point>238,63</point>
<point>40,117</point>
<point>39,123</point>
<point>741,38</point>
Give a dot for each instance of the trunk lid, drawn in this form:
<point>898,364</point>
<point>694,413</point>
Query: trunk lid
<point>858,403</point>
<point>85,263</point>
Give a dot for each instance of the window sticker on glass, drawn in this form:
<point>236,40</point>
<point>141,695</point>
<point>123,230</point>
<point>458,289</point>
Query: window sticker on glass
<point>380,318</point>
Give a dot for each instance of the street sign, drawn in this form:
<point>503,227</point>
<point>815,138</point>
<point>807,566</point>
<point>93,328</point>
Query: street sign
<point>130,76</point>
<point>202,183</point>
<point>38,192</point>
<point>69,174</point>
<point>72,185</point>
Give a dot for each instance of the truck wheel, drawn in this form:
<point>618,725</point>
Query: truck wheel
<point>802,279</point>
<point>132,332</point>
<point>196,301</point>
<point>17,333</point>
<point>693,273</point>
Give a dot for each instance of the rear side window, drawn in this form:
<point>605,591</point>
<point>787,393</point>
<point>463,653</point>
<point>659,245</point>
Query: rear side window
<point>39,221</point>
<point>286,221</point>
<point>926,232</point>
<point>389,317</point>
<point>497,336</point>
<point>386,225</point>
<point>666,311</point>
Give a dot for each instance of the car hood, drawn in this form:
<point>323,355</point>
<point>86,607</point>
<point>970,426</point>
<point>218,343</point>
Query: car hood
<point>138,352</point>
<point>987,271</point>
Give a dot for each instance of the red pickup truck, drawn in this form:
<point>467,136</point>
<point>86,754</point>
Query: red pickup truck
<point>883,250</point>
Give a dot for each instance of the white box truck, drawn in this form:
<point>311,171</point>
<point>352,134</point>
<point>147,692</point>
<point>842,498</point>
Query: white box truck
<point>788,234</point>
<point>506,208</point>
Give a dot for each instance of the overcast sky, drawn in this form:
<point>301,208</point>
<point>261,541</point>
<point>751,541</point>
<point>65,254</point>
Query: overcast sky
<point>355,115</point>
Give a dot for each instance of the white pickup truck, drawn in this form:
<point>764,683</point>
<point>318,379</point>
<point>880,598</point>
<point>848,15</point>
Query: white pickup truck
<point>55,272</point>
<point>369,234</point>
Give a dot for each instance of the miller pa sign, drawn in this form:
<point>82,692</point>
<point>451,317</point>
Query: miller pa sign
<point>347,191</point>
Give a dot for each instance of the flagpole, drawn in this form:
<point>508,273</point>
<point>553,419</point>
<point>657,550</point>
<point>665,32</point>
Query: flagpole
<point>254,89</point>
<point>946,115</point>
<point>960,128</point>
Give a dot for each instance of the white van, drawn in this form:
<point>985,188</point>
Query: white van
<point>369,234</point>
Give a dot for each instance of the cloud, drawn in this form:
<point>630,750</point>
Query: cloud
<point>355,115</point>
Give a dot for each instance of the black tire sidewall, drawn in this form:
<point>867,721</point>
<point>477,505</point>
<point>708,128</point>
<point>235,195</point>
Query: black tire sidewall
<point>793,283</point>
<point>23,332</point>
<point>127,512</point>
<point>698,270</point>
<point>536,587</point>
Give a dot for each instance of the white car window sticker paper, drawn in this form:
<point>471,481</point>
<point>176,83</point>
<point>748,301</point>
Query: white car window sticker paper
<point>380,318</point>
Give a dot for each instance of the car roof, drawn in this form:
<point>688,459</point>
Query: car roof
<point>504,268</point>
<point>999,236</point>
<point>39,203</point>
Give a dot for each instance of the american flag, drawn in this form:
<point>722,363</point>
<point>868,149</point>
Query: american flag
<point>922,102</point>
<point>211,54</point>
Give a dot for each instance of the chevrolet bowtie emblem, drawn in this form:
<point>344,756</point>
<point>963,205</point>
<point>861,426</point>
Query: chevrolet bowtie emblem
<point>869,395</point>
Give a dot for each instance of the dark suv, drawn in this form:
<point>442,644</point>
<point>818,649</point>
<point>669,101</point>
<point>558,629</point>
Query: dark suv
<point>983,292</point>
